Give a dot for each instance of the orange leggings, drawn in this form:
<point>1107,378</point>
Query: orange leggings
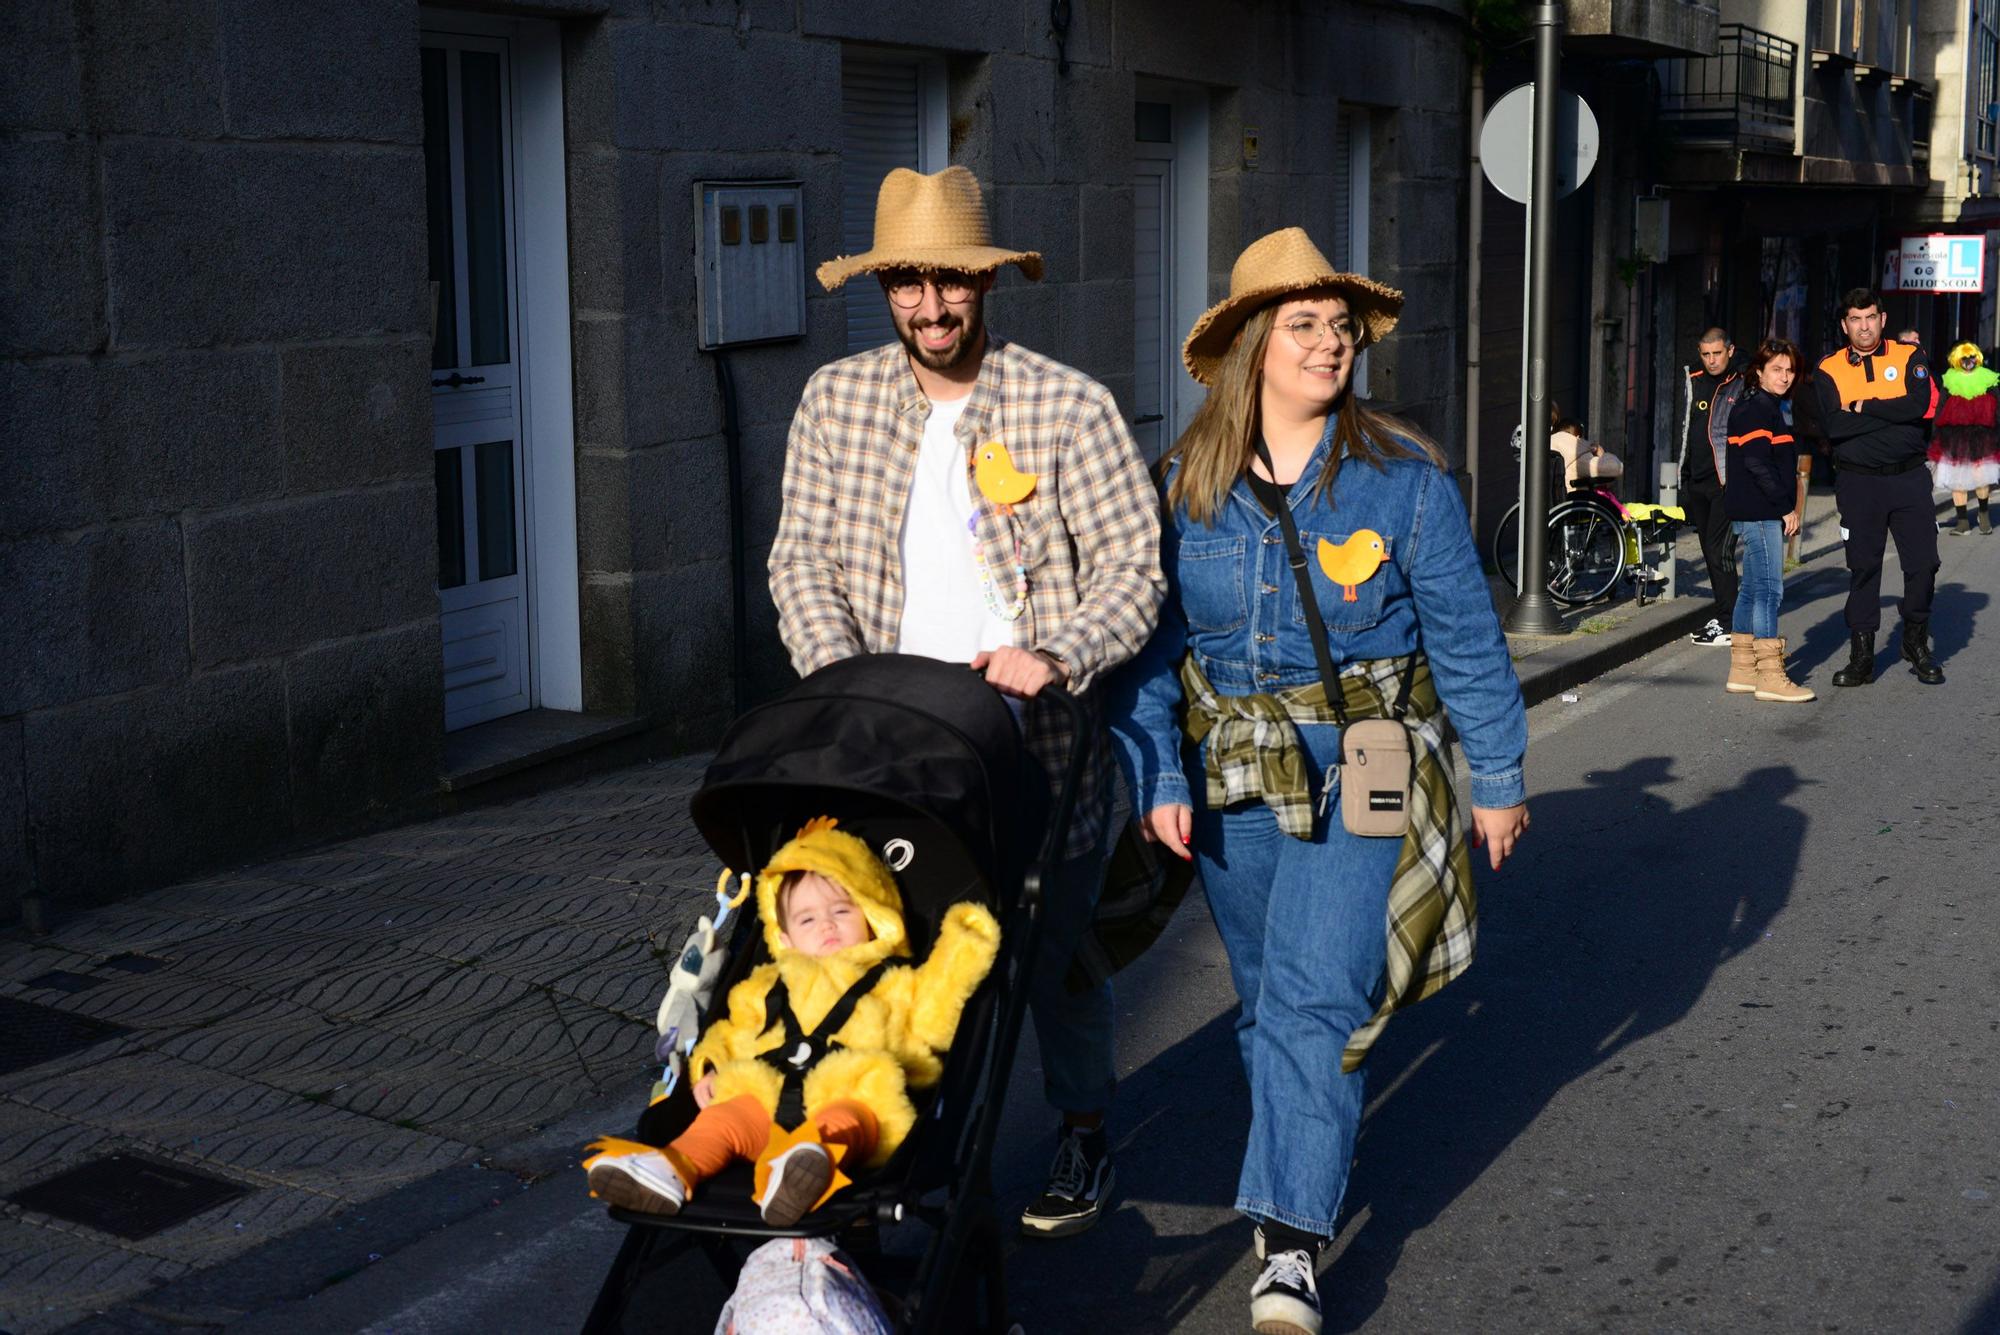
<point>722,1133</point>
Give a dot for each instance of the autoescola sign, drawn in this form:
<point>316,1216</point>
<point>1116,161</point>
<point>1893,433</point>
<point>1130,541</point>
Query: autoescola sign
<point>1936,264</point>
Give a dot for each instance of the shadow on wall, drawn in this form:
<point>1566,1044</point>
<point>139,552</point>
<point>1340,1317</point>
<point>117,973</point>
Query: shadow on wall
<point>1562,989</point>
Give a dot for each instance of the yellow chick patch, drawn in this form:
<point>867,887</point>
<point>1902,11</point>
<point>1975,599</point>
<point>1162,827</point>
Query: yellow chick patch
<point>999,481</point>
<point>1354,561</point>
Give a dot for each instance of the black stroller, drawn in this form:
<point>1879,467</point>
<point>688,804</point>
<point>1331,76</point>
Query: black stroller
<point>924,761</point>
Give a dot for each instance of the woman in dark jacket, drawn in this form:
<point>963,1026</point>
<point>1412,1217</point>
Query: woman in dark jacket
<point>1760,497</point>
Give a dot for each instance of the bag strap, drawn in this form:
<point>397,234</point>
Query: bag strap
<point>802,1051</point>
<point>1316,624</point>
<point>1309,601</point>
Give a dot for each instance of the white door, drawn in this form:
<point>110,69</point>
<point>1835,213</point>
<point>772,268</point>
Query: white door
<point>1169,256</point>
<point>1155,358</point>
<point>475,380</point>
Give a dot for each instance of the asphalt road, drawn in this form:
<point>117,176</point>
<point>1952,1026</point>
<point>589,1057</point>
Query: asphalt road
<point>1729,1059</point>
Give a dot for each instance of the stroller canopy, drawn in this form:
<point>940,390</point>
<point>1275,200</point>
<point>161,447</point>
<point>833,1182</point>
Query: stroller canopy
<point>906,748</point>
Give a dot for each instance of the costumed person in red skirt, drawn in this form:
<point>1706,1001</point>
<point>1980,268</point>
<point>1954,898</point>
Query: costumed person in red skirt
<point>1965,452</point>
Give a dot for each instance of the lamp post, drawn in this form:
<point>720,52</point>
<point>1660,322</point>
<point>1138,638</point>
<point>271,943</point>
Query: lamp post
<point>1534,612</point>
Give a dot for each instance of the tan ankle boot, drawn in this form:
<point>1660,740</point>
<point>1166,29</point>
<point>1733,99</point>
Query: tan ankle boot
<point>1772,683</point>
<point>1742,664</point>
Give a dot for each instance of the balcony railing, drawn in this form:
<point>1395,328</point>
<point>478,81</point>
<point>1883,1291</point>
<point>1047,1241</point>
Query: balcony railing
<point>1743,96</point>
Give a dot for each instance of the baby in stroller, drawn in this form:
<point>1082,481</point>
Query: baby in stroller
<point>811,1068</point>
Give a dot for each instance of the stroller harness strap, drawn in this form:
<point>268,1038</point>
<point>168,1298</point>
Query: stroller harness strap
<point>802,1051</point>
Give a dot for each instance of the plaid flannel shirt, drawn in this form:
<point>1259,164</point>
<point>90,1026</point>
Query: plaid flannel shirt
<point>1088,535</point>
<point>1253,754</point>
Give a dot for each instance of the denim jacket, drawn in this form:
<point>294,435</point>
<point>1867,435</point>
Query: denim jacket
<point>1233,602</point>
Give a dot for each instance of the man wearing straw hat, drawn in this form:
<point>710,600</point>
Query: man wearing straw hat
<point>957,496</point>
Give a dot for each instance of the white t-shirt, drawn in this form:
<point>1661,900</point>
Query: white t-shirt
<point>945,613</point>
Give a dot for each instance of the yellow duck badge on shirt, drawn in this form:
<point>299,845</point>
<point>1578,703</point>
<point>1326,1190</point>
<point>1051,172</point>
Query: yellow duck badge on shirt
<point>1354,561</point>
<point>999,481</point>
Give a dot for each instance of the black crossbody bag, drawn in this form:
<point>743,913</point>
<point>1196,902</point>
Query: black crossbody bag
<point>1377,755</point>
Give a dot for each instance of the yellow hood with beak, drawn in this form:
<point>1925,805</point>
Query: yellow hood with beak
<point>820,846</point>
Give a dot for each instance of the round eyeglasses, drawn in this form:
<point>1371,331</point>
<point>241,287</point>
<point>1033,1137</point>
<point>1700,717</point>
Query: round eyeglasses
<point>1309,331</point>
<point>906,290</point>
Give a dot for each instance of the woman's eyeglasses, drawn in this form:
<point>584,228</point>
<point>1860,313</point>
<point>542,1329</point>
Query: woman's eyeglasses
<point>1309,331</point>
<point>906,290</point>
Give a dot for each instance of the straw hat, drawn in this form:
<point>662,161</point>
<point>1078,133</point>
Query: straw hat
<point>1276,266</point>
<point>930,222</point>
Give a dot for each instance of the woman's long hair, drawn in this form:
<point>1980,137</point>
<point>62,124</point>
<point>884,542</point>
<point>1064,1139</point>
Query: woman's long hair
<point>1220,442</point>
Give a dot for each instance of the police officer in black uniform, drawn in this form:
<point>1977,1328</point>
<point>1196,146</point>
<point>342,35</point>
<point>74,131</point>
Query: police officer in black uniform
<point>1876,400</point>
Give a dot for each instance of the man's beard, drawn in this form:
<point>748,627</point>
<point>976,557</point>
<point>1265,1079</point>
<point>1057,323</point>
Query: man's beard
<point>971,325</point>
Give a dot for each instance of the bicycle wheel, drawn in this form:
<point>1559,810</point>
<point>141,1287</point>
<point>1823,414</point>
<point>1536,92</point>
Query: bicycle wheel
<point>1507,547</point>
<point>1586,552</point>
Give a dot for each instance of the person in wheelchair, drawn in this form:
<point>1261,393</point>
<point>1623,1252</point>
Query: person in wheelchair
<point>811,1068</point>
<point>1586,464</point>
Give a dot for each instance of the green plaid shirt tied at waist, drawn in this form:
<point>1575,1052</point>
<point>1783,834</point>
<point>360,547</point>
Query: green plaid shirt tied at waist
<point>1252,753</point>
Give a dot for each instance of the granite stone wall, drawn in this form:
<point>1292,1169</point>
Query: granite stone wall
<point>217,552</point>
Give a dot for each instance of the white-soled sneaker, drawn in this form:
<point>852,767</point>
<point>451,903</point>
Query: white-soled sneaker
<point>1712,634</point>
<point>1080,1182</point>
<point>1285,1300</point>
<point>798,1178</point>
<point>637,1179</point>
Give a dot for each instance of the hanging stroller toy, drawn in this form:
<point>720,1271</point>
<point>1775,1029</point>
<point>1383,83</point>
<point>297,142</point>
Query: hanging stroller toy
<point>691,986</point>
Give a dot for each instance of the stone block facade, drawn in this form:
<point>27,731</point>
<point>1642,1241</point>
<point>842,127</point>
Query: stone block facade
<point>217,504</point>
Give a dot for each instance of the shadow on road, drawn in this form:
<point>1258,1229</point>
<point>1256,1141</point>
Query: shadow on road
<point>1188,1110</point>
<point>1591,955</point>
<point>1986,1319</point>
<point>1952,618</point>
<point>1953,613</point>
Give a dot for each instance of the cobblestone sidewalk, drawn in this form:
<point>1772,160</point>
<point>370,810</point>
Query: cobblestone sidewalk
<point>325,1029</point>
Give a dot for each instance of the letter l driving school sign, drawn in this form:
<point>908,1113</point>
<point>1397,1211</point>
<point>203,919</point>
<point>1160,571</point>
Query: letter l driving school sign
<point>1936,264</point>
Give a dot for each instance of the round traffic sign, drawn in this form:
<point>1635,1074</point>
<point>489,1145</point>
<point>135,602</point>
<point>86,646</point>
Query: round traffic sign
<point>1506,144</point>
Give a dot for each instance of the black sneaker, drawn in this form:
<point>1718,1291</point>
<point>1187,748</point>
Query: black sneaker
<point>1712,634</point>
<point>1284,1300</point>
<point>1080,1183</point>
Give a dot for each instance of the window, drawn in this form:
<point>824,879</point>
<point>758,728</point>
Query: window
<point>1986,84</point>
<point>892,115</point>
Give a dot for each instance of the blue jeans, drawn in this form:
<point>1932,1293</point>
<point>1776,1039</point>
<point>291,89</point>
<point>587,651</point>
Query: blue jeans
<point>1304,926</point>
<point>1763,586</point>
<point>1074,1030</point>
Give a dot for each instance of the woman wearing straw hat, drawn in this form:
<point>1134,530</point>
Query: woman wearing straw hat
<point>1309,537</point>
<point>957,496</point>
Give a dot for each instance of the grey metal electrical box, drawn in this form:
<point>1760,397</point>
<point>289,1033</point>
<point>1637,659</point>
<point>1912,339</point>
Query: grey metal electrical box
<point>750,269</point>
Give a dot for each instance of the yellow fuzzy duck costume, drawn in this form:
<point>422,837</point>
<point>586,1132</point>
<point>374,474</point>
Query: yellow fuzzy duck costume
<point>892,1040</point>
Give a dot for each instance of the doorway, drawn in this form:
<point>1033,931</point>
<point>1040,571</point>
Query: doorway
<point>502,418</point>
<point>1169,257</point>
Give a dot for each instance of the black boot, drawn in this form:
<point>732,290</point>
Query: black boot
<point>1917,651</point>
<point>1860,669</point>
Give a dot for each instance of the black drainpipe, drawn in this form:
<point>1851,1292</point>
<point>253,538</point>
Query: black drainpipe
<point>732,453</point>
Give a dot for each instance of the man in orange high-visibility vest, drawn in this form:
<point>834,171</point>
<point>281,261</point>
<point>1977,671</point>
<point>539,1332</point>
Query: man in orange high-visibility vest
<point>1876,400</point>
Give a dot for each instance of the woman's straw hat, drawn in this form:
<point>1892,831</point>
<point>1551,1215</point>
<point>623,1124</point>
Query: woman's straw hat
<point>1274,266</point>
<point>930,222</point>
